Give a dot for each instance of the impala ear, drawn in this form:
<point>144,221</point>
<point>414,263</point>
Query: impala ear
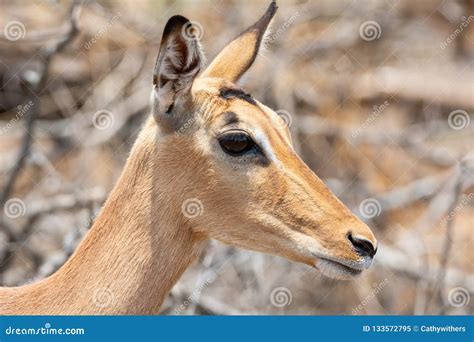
<point>179,61</point>
<point>238,56</point>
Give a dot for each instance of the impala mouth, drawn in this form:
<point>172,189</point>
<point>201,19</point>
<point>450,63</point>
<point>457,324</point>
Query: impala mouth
<point>341,269</point>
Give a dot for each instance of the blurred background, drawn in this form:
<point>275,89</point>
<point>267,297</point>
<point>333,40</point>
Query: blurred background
<point>378,95</point>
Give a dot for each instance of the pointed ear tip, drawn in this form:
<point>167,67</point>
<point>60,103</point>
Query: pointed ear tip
<point>176,21</point>
<point>272,8</point>
<point>264,21</point>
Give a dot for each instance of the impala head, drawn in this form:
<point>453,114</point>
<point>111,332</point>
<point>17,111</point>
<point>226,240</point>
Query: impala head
<point>235,157</point>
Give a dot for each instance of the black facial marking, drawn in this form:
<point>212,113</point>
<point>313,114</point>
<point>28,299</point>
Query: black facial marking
<point>230,118</point>
<point>229,93</point>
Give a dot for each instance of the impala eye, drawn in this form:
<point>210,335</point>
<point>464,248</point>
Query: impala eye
<point>236,143</point>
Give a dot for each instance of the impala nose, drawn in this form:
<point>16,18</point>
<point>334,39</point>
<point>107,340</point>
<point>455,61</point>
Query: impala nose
<point>364,247</point>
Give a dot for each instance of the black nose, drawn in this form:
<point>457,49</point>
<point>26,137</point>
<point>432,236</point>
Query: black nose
<point>362,246</point>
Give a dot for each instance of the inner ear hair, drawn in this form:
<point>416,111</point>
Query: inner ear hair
<point>178,63</point>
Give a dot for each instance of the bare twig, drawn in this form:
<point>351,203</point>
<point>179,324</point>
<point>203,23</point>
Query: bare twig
<point>417,85</point>
<point>445,254</point>
<point>400,262</point>
<point>65,202</point>
<point>34,86</point>
<point>37,209</point>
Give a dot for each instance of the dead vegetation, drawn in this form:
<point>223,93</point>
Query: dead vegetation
<point>378,96</point>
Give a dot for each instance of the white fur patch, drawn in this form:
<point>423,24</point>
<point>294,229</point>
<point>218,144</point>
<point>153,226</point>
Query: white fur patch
<point>265,144</point>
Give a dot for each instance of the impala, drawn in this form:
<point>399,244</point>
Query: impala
<point>210,162</point>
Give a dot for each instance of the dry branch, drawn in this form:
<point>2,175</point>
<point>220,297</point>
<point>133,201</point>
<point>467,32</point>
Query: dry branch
<point>417,85</point>
<point>34,87</point>
<point>401,263</point>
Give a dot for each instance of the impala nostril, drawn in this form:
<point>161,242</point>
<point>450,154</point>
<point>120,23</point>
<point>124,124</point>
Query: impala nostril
<point>362,246</point>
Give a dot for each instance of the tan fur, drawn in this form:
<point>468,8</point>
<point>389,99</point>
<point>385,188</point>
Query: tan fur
<point>232,62</point>
<point>141,242</point>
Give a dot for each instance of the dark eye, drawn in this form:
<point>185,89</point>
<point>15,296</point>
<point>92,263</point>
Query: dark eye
<point>236,143</point>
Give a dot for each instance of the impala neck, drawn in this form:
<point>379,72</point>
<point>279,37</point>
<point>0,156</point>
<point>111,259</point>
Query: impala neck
<point>137,249</point>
